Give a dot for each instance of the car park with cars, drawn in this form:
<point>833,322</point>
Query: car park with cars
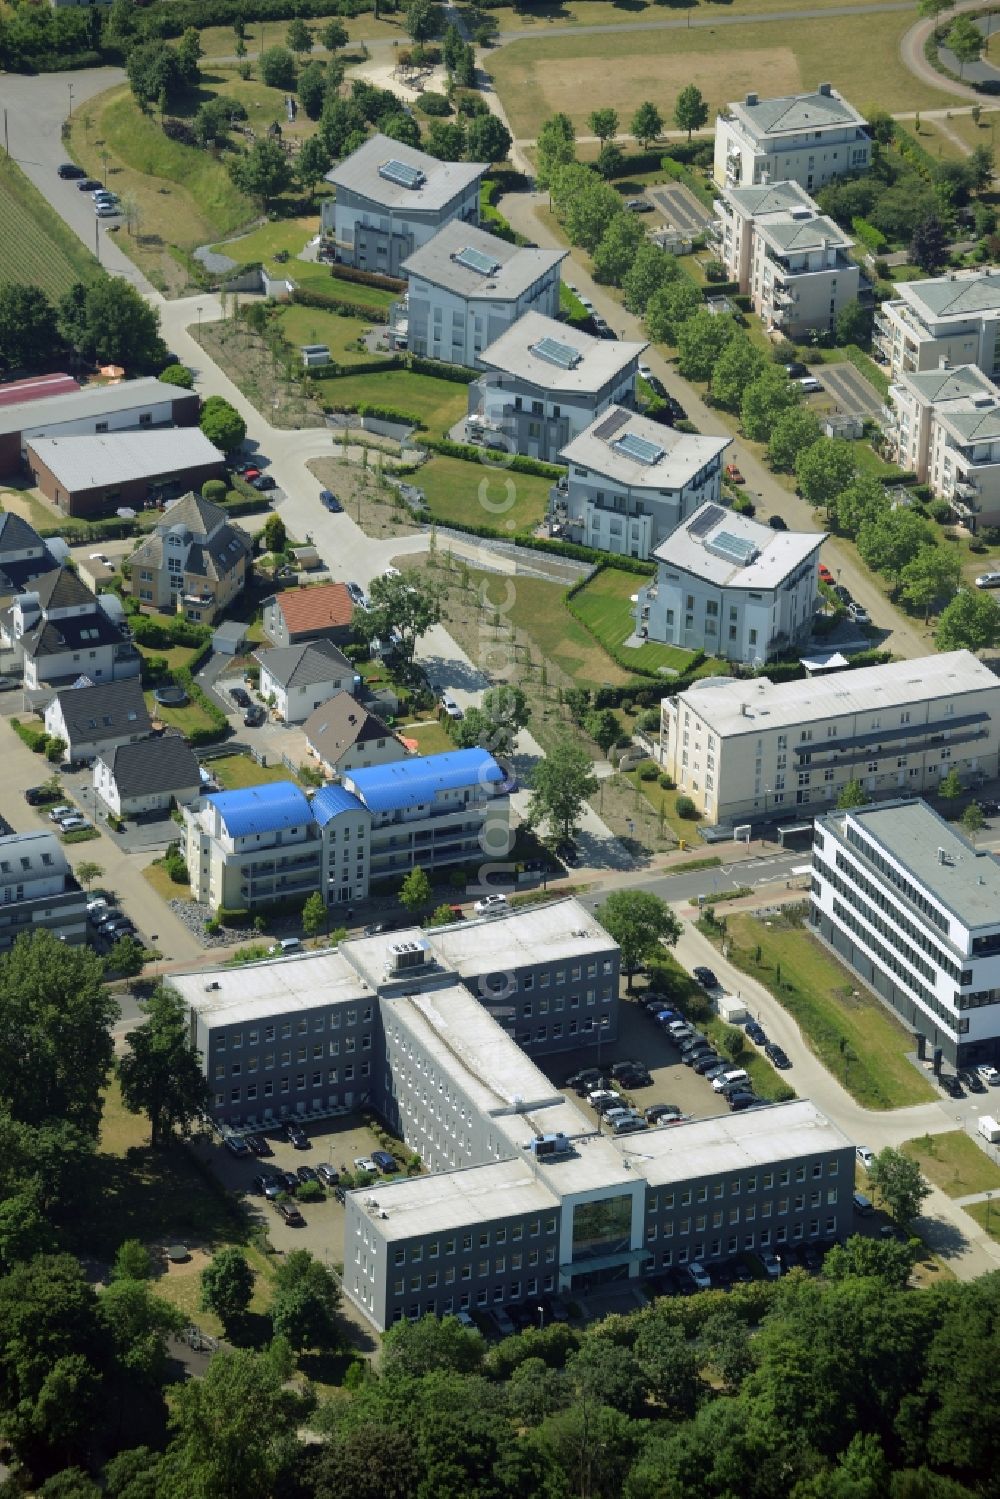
<point>989,1074</point>
<point>296,1136</point>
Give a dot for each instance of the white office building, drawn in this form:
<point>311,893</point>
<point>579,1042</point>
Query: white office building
<point>952,318</point>
<point>944,425</point>
<point>466,287</point>
<point>630,481</point>
<point>914,909</point>
<point>804,138</point>
<point>790,259</point>
<point>545,383</point>
<point>744,750</point>
<point>392,198</point>
<point>730,587</point>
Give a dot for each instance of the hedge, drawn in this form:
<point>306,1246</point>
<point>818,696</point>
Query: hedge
<point>184,677</point>
<point>514,461</point>
<point>381,413</point>
<point>366,367</point>
<point>170,18</point>
<point>720,289</point>
<point>309,298</point>
<point>340,272</point>
<point>455,372</point>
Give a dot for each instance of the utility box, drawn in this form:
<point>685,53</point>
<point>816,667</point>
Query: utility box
<point>731,1009</point>
<point>989,1129</point>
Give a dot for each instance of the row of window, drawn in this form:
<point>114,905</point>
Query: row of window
<point>234,1039</point>
<point>267,1062</point>
<point>847,889</point>
<point>250,1093</point>
<point>888,960</point>
<point>666,1201</point>
<point>483,1238</point>
<point>895,878</point>
<point>501,1294</point>
<point>735,1215</point>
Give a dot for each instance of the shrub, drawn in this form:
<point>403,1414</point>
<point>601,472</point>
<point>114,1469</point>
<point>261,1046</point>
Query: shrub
<point>310,1192</point>
<point>940,511</point>
<point>667,782</point>
<point>686,808</point>
<point>434,104</point>
<point>213,926</point>
<point>214,490</point>
<point>648,772</point>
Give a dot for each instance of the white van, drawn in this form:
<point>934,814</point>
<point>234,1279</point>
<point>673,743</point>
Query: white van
<point>989,1128</point>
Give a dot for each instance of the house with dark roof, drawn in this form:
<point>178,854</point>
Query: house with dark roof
<point>150,775</point>
<point>194,563</point>
<point>61,632</point>
<point>323,612</point>
<point>300,677</point>
<point>24,556</point>
<point>343,736</point>
<point>94,718</point>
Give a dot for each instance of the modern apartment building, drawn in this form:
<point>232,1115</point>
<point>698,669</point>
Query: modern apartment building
<point>730,587</point>
<point>914,909</point>
<point>944,426</point>
<point>392,198</point>
<point>953,318</point>
<point>247,849</point>
<point>545,383</point>
<point>631,481</point>
<point>466,287</point>
<point>744,750</point>
<point>804,138</point>
<point>790,259</point>
<point>194,562</point>
<point>37,889</point>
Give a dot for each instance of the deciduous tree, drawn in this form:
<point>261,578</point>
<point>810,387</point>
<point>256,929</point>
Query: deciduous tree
<point>298,37</point>
<point>766,398</point>
<point>561,783</point>
<point>823,470</point>
<point>305,1302</point>
<point>651,268</point>
<point>161,1072</point>
<point>414,1349</point>
<point>334,35</point>
<point>896,1178</point>
<point>793,431</point>
<point>971,622</point>
<point>29,328</point>
<point>647,124</point>
<point>222,424</point>
<point>555,147</point>
<point>603,123</point>
<point>670,309</point>
<point>487,139</point>
<point>888,542</point>
<point>409,604</point>
<point>929,245</point>
<point>690,110</point>
<point>314,915</point>
<point>737,367</point>
<point>700,339</point>
<point>851,796</point>
<point>930,579</point>
<point>617,249</point>
<point>416,890</point>
<point>277,68</point>
<point>227,1284</point>
<point>262,173</point>
<point>640,922</point>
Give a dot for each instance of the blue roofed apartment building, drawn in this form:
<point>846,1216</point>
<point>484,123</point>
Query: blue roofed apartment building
<point>249,848</point>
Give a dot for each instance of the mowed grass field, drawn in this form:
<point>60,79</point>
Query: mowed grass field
<point>955,1163</point>
<point>605,606</point>
<point>438,403</point>
<point>478,494</point>
<point>36,247</point>
<point>539,608</point>
<point>581,14</point>
<point>577,71</point>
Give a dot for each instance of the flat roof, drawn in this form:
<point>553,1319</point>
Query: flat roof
<point>597,361</point>
<point>769,197</point>
<point>89,460</point>
<point>791,234</point>
<point>678,455</point>
<point>712,543</point>
<point>543,933</point>
<point>446,1200</point>
<point>966,881</point>
<point>749,1140</point>
<point>960,294</point>
<point>254,991</point>
<point>437,182</point>
<point>731,706</point>
<point>496,271</point>
<point>91,401</point>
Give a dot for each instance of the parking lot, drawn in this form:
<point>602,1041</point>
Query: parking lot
<point>849,389</point>
<point>681,208</point>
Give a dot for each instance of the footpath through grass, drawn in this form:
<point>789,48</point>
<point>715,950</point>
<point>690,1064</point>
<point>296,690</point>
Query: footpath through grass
<point>36,247</point>
<point>858,1041</point>
<point>955,1163</point>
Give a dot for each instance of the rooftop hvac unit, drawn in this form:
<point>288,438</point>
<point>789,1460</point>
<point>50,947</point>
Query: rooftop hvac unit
<point>406,955</point>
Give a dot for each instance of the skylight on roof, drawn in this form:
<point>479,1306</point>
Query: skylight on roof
<point>560,354</point>
<point>475,260</point>
<point>639,448</point>
<point>402,175</point>
<point>734,548</point>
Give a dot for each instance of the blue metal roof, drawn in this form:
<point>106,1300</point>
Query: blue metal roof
<point>262,809</point>
<point>404,783</point>
<point>331,801</point>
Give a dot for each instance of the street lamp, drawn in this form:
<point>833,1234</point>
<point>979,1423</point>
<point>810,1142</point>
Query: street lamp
<point>989,1199</point>
<point>541,1317</point>
<point>70,86</point>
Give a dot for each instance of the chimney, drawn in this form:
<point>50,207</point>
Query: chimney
<point>752,99</point>
<point>825,90</point>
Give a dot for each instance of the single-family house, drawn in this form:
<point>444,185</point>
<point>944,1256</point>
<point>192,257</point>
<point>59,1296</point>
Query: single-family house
<point>94,718</point>
<point>150,775</point>
<point>301,677</point>
<point>324,612</point>
<point>344,736</point>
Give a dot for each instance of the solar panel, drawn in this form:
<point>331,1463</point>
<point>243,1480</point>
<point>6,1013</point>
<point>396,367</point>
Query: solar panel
<point>704,522</point>
<point>734,548</point>
<point>475,260</point>
<point>401,174</point>
<point>554,352</point>
<point>634,446</point>
<point>610,425</point>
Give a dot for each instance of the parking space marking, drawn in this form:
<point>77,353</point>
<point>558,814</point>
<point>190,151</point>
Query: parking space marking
<point>682,209</point>
<point>850,387</point>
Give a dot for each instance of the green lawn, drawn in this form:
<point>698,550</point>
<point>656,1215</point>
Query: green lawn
<point>955,1163</point>
<point>855,1038</point>
<point>604,605</point>
<point>539,608</point>
<point>480,494</point>
<point>312,325</point>
<point>37,248</point>
<point>314,276</point>
<point>167,889</point>
<point>290,235</point>
<point>192,716</point>
<point>439,404</point>
<point>432,738</point>
<point>233,772</point>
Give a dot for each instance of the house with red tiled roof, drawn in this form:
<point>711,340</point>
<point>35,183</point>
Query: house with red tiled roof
<point>323,612</point>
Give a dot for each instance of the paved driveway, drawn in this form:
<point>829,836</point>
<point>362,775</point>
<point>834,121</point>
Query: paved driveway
<point>849,388</point>
<point>681,209</point>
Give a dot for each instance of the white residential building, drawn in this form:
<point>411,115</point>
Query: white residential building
<point>92,719</point>
<point>545,382</point>
<point>150,776</point>
<point>392,198</point>
<point>631,481</point>
<point>944,426</point>
<point>790,259</point>
<point>805,138</point>
<point>730,587</point>
<point>953,318</point>
<point>300,677</point>
<point>61,632</point>
<point>466,287</point>
<point>744,750</point>
<point>914,909</point>
<point>37,889</point>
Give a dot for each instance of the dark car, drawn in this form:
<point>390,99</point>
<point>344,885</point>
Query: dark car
<point>756,1032</point>
<point>89,184</point>
<point>777,523</point>
<point>637,1078</point>
<point>236,1145</point>
<point>290,1213</point>
<point>740,1101</point>
<point>328,1174</point>
<point>268,1186</point>
<point>952,1086</point>
<point>259,1145</point>
<point>971,1081</point>
<point>777,1056</point>
<point>658,1111</point>
<point>329,501</point>
<point>385,1162</point>
<point>70,172</point>
<point>795,370</point>
<point>289,1181</point>
<point>296,1137</point>
<point>307,1174</point>
<point>705,977</point>
<point>988,806</point>
<point>568,853</point>
<point>263,482</point>
<point>340,1194</point>
<point>40,796</point>
<point>702,1064</point>
<point>617,1068</point>
<point>812,1257</point>
<point>842,593</point>
<point>656,385</point>
<point>254,716</point>
<point>676,409</point>
<point>587,1077</point>
<point>240,697</point>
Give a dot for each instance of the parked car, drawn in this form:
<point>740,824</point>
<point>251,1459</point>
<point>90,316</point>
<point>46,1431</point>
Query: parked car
<point>771,1264</point>
<point>777,523</point>
<point>356,592</point>
<point>504,1325</point>
<point>756,1032</point>
<point>491,905</point>
<point>705,1062</point>
<point>676,409</point>
<point>638,1077</point>
<point>989,1074</point>
<point>733,474</point>
<point>263,482</point>
<point>951,1085</point>
<point>69,171</point>
<point>268,1186</point>
<point>741,1101</point>
<point>63,810</point>
<point>988,580</point>
<point>241,697</point>
<point>657,1111</point>
<point>259,1145</point>
<point>808,384</point>
<point>296,1136</point>
<point>450,706</point>
<point>237,1146</point>
<point>290,1213</point>
<point>843,594</point>
<point>307,1174</point>
<point>584,1080</point>
<point>385,1162</point>
<point>365,1163</point>
<point>777,1056</point>
<point>250,472</point>
<point>254,716</point>
<point>638,205</point>
<point>700,1278</point>
<point>73,823</point>
<point>863,1205</point>
<point>40,796</point>
<point>706,978</point>
<point>88,184</point>
<point>328,1175</point>
<point>865,1156</point>
<point>288,1180</point>
<point>106,210</point>
<point>858,613</point>
<point>631,1124</point>
<point>329,501</point>
<point>729,1081</point>
<point>971,1080</point>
